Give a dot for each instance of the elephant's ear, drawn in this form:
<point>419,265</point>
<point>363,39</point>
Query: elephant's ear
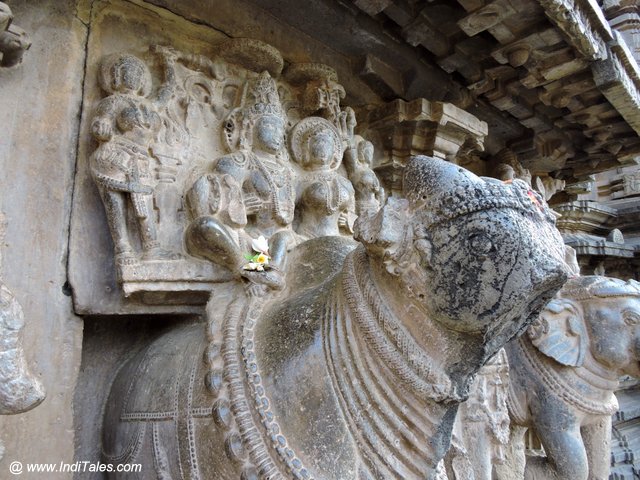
<point>559,332</point>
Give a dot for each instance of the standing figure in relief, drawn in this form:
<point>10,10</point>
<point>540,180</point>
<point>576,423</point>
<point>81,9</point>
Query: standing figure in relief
<point>248,193</point>
<point>325,197</point>
<point>126,124</point>
<point>369,193</point>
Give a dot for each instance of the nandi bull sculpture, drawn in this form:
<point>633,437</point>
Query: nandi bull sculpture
<point>356,368</point>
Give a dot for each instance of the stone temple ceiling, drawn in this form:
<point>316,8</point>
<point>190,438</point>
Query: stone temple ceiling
<point>554,83</point>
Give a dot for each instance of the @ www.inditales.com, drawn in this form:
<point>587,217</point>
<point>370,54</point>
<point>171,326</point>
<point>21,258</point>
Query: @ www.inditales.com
<point>18,468</point>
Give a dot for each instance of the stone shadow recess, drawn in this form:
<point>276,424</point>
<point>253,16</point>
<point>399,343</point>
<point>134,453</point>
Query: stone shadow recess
<point>108,343</point>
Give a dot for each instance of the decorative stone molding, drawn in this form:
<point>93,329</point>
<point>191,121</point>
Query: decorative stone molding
<point>624,17</point>
<point>583,23</point>
<point>587,245</point>
<point>585,216</point>
<point>618,78</point>
<point>420,127</point>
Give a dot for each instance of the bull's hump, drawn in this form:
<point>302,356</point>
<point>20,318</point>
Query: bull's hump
<point>292,362</point>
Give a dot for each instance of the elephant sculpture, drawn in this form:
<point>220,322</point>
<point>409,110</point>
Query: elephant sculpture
<point>355,369</point>
<point>564,372</point>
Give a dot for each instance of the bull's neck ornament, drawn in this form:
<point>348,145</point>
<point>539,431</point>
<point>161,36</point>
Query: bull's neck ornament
<point>385,381</point>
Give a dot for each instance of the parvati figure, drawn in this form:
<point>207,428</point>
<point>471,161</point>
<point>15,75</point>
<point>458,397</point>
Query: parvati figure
<point>325,197</point>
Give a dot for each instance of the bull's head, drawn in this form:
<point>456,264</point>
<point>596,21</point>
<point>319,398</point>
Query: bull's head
<point>477,256</point>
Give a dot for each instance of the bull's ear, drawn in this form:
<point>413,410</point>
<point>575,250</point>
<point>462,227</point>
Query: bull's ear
<point>559,332</point>
<point>385,233</point>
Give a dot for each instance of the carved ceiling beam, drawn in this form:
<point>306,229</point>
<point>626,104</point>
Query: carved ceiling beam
<point>583,23</point>
<point>618,78</point>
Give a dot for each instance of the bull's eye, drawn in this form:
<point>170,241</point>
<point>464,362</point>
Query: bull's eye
<point>480,244</point>
<point>631,317</point>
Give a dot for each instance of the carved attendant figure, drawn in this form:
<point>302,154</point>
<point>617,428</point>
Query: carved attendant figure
<point>357,372</point>
<point>565,370</point>
<point>369,193</point>
<point>481,431</point>
<point>325,196</point>
<point>249,192</point>
<point>125,124</point>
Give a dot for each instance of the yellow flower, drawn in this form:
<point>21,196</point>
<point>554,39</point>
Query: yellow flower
<point>262,259</point>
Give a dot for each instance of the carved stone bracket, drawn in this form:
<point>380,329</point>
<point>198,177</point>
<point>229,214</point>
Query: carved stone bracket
<point>421,127</point>
<point>585,216</point>
<point>618,78</point>
<point>583,23</point>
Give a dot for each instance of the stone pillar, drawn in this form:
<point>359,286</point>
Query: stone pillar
<point>421,127</point>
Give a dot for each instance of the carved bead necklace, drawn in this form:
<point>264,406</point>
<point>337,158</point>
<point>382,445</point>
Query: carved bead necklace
<point>281,213</point>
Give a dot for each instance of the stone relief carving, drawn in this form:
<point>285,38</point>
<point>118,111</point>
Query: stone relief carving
<point>369,194</point>
<point>351,367</point>
<point>481,430</point>
<point>184,202</point>
<point>326,198</point>
<point>127,123</point>
<point>20,390</point>
<point>14,41</point>
<point>256,179</point>
<point>564,372</point>
<point>631,183</point>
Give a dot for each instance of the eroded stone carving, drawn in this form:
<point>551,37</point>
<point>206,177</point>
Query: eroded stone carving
<point>127,124</point>
<point>352,370</point>
<point>191,174</point>
<point>481,431</point>
<point>358,160</point>
<point>14,41</point>
<point>20,390</point>
<point>564,372</point>
<point>326,198</point>
<point>256,178</point>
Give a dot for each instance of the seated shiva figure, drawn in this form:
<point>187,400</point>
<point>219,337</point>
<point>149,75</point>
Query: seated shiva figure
<point>325,198</point>
<point>248,193</point>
